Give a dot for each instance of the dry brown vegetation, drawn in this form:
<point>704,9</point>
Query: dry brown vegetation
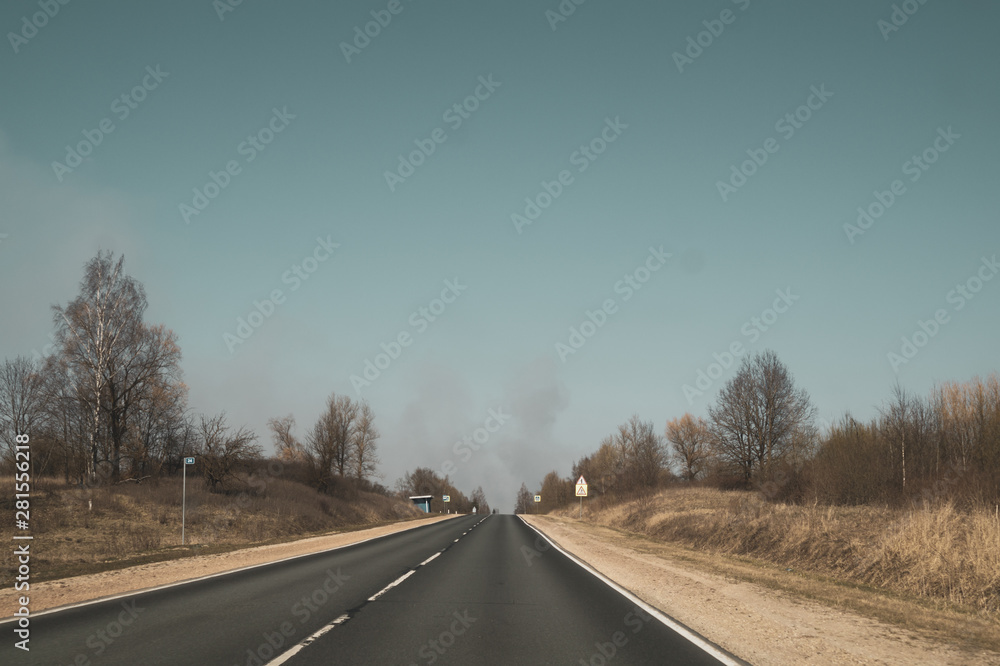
<point>81,530</point>
<point>946,557</point>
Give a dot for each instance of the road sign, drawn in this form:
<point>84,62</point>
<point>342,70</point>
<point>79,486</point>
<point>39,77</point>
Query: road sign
<point>446,498</point>
<point>538,498</point>
<point>184,490</point>
<point>581,487</point>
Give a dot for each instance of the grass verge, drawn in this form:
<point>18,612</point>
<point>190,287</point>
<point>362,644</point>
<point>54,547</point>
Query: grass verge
<point>934,571</point>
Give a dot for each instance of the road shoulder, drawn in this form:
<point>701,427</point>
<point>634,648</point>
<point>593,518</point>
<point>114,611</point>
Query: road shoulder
<point>762,625</point>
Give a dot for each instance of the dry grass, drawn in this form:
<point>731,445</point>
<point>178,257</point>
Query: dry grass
<point>938,554</point>
<point>82,530</point>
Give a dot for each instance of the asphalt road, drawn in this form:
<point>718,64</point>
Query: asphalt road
<point>472,590</point>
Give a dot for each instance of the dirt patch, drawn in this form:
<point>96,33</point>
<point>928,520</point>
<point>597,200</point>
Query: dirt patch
<point>54,593</point>
<point>760,624</point>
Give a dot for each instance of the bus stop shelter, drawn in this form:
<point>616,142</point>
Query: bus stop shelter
<point>423,502</point>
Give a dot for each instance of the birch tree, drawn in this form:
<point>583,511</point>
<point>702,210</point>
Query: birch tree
<point>93,332</point>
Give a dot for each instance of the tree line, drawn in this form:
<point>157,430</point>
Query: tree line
<point>109,405</point>
<point>761,434</point>
<point>425,481</point>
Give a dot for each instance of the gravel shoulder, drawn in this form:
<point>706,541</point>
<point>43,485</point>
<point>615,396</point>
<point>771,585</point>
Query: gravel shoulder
<point>67,591</point>
<point>762,625</point>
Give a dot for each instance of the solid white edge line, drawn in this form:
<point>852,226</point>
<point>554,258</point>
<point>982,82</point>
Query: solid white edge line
<point>430,558</point>
<point>165,586</point>
<point>392,585</point>
<point>291,652</point>
<point>665,619</point>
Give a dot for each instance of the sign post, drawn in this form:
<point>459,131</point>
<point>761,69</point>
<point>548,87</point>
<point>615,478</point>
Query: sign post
<point>581,492</point>
<point>446,499</point>
<point>187,461</point>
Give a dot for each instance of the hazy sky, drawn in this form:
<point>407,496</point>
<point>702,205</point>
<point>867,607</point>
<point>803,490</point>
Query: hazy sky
<point>528,163</point>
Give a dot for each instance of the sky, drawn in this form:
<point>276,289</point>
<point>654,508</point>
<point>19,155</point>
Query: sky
<point>564,213</point>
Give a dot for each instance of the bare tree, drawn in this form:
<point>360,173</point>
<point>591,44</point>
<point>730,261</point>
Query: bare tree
<point>160,426</point>
<point>224,452</point>
<point>150,362</point>
<point>22,400</point>
<point>691,441</point>
<point>365,444</point>
<point>641,450</point>
<point>760,416</point>
<point>343,415</point>
<point>93,332</point>
<point>478,500</point>
<point>68,419</point>
<point>329,445</point>
<point>288,446</point>
<point>524,500</point>
<point>556,492</point>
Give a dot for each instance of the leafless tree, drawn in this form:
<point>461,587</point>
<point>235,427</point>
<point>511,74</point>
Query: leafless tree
<point>161,429</point>
<point>524,500</point>
<point>68,420</point>
<point>149,364</point>
<point>224,452</point>
<point>288,446</point>
<point>691,441</point>
<point>478,500</point>
<point>22,400</point>
<point>759,415</point>
<point>641,449</point>
<point>329,445</point>
<point>94,333</point>
<point>556,492</point>
<point>365,444</point>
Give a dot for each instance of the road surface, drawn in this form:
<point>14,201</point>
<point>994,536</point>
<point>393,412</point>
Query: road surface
<point>472,590</point>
